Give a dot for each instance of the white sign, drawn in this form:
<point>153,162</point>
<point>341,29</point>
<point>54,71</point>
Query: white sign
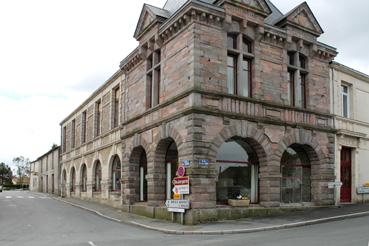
<point>182,204</point>
<point>204,163</point>
<point>181,189</point>
<point>332,185</point>
<point>176,210</point>
<point>363,190</point>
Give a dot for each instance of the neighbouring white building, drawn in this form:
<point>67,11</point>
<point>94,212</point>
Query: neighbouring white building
<point>350,105</point>
<point>45,172</point>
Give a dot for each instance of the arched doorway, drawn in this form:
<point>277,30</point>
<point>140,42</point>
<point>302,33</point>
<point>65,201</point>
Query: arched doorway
<point>84,178</point>
<point>237,165</point>
<point>116,173</point>
<point>73,180</point>
<point>166,162</point>
<point>64,183</point>
<point>296,175</point>
<point>97,177</point>
<point>139,170</point>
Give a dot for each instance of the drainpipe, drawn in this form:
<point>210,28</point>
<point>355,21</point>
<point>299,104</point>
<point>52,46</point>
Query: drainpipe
<point>336,166</point>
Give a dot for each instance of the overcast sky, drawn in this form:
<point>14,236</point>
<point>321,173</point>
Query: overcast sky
<point>54,53</point>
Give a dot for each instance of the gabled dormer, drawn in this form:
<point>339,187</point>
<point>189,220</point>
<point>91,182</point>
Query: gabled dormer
<point>259,6</point>
<point>303,18</point>
<point>149,17</point>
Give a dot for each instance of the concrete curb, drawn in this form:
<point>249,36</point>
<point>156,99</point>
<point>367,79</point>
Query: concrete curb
<point>222,232</point>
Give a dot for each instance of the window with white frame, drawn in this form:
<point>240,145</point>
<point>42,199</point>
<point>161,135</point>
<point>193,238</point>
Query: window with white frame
<point>345,91</point>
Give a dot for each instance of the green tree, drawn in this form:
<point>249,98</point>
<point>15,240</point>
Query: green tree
<point>23,167</point>
<point>5,174</point>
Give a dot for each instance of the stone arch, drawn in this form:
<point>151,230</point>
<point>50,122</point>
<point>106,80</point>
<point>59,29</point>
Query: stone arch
<point>96,175</point>
<point>113,158</point>
<point>72,182</point>
<point>138,158</point>
<point>157,175</point>
<point>253,136</point>
<point>83,177</point>
<point>304,138</point>
<point>64,182</point>
<point>260,143</point>
<point>321,170</point>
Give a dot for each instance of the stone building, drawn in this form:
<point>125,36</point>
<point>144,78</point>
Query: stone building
<point>45,172</point>
<point>236,89</point>
<point>350,94</point>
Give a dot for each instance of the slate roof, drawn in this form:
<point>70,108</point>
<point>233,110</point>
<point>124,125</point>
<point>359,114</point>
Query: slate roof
<point>173,5</point>
<point>158,11</point>
<point>275,15</point>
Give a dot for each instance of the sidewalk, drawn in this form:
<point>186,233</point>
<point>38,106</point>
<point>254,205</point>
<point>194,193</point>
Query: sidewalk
<point>290,220</point>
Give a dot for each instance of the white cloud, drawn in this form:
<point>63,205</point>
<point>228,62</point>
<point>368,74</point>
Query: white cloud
<point>54,53</point>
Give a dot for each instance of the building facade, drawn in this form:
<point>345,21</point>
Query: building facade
<point>350,94</point>
<point>236,89</point>
<point>45,172</point>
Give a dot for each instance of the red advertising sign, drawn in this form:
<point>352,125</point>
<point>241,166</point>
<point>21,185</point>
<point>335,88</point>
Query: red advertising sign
<point>177,181</point>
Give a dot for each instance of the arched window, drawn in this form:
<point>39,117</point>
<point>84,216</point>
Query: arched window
<point>116,174</point>
<point>237,165</point>
<point>97,177</point>
<point>83,178</point>
<point>73,179</point>
<point>296,173</point>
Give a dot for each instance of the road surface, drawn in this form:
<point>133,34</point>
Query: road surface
<point>38,220</point>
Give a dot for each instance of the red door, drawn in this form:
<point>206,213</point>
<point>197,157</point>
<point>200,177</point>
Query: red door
<point>346,175</point>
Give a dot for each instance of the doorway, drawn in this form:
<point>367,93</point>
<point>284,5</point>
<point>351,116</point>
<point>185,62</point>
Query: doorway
<point>346,175</point>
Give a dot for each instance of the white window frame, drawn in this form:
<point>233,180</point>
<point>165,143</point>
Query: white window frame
<point>347,94</point>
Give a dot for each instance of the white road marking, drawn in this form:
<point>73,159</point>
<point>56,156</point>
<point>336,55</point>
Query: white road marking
<point>31,197</point>
<point>8,197</point>
<point>92,243</point>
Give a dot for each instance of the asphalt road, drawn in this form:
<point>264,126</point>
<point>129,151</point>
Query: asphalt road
<point>37,220</point>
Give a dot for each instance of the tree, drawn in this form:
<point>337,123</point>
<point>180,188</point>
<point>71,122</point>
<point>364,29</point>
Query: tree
<point>23,169</point>
<point>5,174</point>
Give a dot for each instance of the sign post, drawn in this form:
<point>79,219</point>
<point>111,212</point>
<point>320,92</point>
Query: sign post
<point>181,187</point>
<point>335,186</point>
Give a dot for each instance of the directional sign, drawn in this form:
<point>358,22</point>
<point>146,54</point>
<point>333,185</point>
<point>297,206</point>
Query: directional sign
<point>363,190</point>
<point>182,189</point>
<point>182,204</point>
<point>176,210</point>
<point>204,163</point>
<point>186,163</point>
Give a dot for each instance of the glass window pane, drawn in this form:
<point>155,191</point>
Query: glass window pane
<point>245,78</point>
<point>235,161</point>
<point>246,45</point>
<point>232,41</point>
<point>231,74</point>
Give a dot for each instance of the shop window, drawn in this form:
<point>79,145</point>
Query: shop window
<point>116,174</point>
<point>97,177</point>
<point>296,176</point>
<point>84,178</point>
<point>73,180</point>
<point>237,167</point>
